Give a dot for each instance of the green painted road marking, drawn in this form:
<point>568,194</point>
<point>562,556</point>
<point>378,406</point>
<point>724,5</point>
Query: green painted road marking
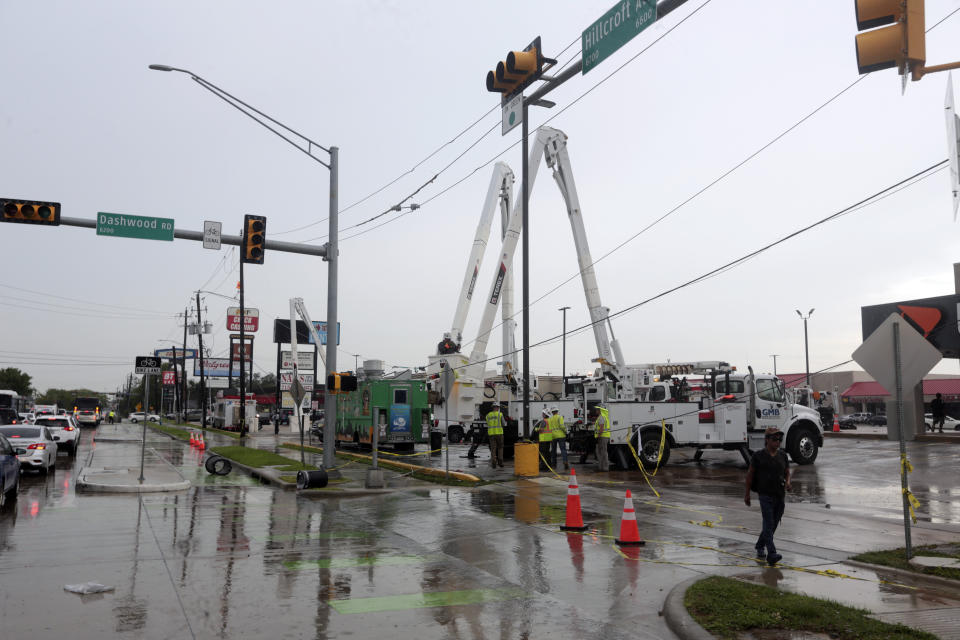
<point>344,563</point>
<point>323,535</point>
<point>426,600</point>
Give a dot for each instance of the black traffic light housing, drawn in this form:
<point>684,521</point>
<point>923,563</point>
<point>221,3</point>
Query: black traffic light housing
<point>30,211</point>
<point>518,71</point>
<point>254,239</point>
<point>333,382</point>
<point>348,382</point>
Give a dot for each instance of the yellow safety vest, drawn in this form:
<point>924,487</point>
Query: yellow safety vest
<point>544,430</point>
<point>494,423</point>
<point>602,425</point>
<point>557,427</point>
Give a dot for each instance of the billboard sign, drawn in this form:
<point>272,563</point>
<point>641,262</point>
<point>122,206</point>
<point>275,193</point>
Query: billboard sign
<point>219,367</point>
<point>251,319</point>
<point>286,380</point>
<point>175,353</point>
<point>169,378</point>
<point>281,332</point>
<point>304,359</point>
<point>934,318</point>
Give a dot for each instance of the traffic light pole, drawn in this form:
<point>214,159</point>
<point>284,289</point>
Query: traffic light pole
<point>203,385</point>
<point>243,350</point>
<point>663,8</point>
<point>332,258</point>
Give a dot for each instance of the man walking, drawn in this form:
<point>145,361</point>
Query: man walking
<point>602,431</point>
<point>939,414</point>
<point>495,422</point>
<point>769,476</point>
<point>559,432</point>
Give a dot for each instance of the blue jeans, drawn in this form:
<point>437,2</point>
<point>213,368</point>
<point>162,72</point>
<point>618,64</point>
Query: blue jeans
<point>553,451</point>
<point>772,510</point>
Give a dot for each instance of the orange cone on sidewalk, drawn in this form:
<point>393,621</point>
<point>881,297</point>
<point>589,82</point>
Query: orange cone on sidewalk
<point>201,443</point>
<point>629,533</point>
<point>574,520</point>
<point>836,424</point>
<point>193,439</point>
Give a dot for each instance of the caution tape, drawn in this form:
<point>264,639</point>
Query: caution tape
<point>556,475</point>
<point>410,455</point>
<point>912,503</point>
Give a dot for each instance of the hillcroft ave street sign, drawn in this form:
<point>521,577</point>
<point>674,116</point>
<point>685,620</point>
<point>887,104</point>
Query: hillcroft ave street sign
<point>614,29</point>
<point>123,225</point>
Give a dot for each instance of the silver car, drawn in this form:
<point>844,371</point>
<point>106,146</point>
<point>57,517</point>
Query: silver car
<point>66,427</point>
<point>40,446</point>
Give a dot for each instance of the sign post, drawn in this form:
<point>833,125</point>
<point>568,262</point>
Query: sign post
<point>145,365</point>
<point>890,369</point>
<point>446,384</point>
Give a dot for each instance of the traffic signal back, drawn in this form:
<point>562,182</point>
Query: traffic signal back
<point>30,211</point>
<point>893,34</point>
<point>518,71</point>
<point>254,239</point>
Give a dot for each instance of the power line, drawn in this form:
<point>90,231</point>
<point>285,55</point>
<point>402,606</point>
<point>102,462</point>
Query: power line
<point>51,295</point>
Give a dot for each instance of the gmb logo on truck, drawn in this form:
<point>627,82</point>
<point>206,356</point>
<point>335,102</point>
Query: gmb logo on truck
<point>771,413</point>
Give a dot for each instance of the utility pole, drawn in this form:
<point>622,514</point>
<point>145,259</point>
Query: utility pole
<point>243,386</point>
<point>203,393</point>
<point>563,370</point>
<point>183,368</point>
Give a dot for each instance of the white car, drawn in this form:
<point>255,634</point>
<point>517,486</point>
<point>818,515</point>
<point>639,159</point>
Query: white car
<point>27,418</point>
<point>137,416</point>
<point>37,443</point>
<point>66,427</point>
<point>949,424</point>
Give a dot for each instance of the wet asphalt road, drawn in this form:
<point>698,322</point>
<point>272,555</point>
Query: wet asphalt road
<point>229,558</point>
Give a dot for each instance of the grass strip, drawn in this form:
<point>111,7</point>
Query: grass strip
<point>419,475</point>
<point>259,458</point>
<point>726,607</point>
<point>897,558</point>
<point>176,432</point>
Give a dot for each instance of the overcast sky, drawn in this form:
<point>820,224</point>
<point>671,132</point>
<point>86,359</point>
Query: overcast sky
<point>85,123</point>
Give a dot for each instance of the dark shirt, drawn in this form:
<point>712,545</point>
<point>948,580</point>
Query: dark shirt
<point>769,473</point>
<point>936,408</point>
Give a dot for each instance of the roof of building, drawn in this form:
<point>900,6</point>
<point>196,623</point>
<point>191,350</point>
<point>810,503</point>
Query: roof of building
<point>949,387</point>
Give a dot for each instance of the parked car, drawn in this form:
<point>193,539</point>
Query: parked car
<point>949,424</point>
<point>138,416</point>
<point>65,427</point>
<point>847,422</point>
<point>194,415</point>
<point>879,420</point>
<point>861,417</point>
<point>38,444</point>
<point>9,472</point>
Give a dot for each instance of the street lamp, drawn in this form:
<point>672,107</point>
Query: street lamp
<point>563,370</point>
<point>331,247</point>
<point>774,356</point>
<point>806,344</point>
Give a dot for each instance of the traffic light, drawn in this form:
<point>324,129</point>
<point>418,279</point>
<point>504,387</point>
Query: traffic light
<point>901,43</point>
<point>518,71</point>
<point>30,211</point>
<point>254,239</point>
<point>333,382</point>
<point>348,382</point>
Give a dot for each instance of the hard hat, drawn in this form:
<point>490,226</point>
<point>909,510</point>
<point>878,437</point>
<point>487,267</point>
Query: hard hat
<point>545,412</point>
<point>554,409</point>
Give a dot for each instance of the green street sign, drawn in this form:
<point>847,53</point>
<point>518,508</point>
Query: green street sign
<point>122,225</point>
<point>614,29</point>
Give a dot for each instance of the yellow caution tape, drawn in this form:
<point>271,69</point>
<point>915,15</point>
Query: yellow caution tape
<point>557,475</point>
<point>905,466</point>
<point>913,503</point>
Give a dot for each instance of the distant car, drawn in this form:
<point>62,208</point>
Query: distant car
<point>265,418</point>
<point>27,418</point>
<point>87,417</point>
<point>879,420</point>
<point>9,472</point>
<point>65,427</point>
<point>949,424</point>
<point>38,444</point>
<point>847,422</point>
<point>138,416</point>
<point>9,416</point>
<point>194,415</point>
<point>861,417</point>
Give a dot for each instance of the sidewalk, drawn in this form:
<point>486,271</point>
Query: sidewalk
<point>113,465</point>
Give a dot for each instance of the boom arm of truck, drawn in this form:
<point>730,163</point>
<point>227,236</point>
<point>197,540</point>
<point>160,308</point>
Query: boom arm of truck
<point>499,193</point>
<point>298,308</point>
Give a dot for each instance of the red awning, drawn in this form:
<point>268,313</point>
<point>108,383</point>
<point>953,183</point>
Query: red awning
<point>948,387</point>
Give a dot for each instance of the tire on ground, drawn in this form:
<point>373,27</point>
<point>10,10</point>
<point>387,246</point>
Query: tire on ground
<point>217,465</point>
<point>802,445</point>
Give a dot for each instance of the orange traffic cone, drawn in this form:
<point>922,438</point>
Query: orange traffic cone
<point>574,520</point>
<point>201,443</point>
<point>193,440</point>
<point>836,424</point>
<point>629,533</point>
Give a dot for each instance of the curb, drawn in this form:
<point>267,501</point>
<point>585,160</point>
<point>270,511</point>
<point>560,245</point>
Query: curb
<point>909,576</point>
<point>677,617</point>
<point>91,487</point>
<point>404,466</point>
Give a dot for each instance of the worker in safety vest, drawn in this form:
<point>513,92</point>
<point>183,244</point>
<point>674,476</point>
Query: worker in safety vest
<point>559,432</point>
<point>602,431</point>
<point>495,422</point>
<point>545,436</point>
<point>111,417</point>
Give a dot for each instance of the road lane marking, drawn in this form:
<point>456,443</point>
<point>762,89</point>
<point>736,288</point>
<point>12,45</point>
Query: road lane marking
<point>426,600</point>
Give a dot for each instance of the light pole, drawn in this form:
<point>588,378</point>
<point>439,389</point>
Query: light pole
<point>774,356</point>
<point>331,247</point>
<point>806,344</point>
<point>563,366</point>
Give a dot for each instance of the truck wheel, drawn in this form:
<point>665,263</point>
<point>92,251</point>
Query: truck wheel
<point>455,434</point>
<point>649,447</point>
<point>802,446</point>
